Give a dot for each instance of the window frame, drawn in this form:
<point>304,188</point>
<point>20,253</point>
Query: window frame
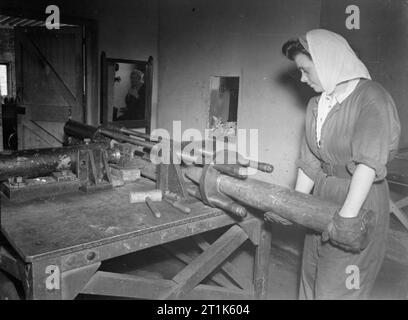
<point>8,71</point>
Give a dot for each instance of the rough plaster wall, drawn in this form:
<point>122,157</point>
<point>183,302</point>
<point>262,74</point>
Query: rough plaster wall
<point>198,39</point>
<point>128,29</point>
<point>381,43</point>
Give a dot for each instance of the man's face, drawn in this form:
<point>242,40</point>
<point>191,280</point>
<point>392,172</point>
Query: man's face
<point>308,70</point>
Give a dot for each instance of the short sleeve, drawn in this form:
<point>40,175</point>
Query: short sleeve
<point>376,134</point>
<point>307,161</point>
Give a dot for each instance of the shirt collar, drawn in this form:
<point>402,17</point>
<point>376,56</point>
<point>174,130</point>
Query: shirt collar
<point>338,98</point>
<point>352,84</point>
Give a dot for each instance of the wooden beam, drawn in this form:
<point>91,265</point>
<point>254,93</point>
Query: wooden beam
<point>399,214</point>
<point>261,270</point>
<point>204,264</point>
<point>252,227</point>
<point>402,203</point>
<point>218,278</point>
<point>242,280</point>
<point>130,286</point>
<point>73,281</point>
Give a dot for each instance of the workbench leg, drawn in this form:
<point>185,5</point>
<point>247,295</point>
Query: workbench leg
<point>73,281</point>
<point>205,263</point>
<point>261,267</point>
<point>43,280</point>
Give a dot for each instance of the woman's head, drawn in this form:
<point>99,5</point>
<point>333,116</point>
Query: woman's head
<point>296,51</point>
<point>325,59</point>
<point>136,78</point>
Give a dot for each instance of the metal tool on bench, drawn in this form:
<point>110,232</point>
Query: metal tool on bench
<point>176,201</point>
<point>148,197</point>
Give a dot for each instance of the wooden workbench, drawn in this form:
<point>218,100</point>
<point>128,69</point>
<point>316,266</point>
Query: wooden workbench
<point>55,246</point>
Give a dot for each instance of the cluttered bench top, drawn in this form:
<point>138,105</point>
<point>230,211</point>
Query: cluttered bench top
<point>72,222</point>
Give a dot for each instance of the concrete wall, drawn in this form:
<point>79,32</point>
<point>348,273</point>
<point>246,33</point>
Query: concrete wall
<point>381,43</point>
<point>128,29</point>
<point>201,38</point>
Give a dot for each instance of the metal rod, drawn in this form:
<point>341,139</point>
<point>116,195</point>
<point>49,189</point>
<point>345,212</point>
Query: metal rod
<point>152,207</point>
<point>125,138</point>
<point>79,130</point>
<point>136,133</point>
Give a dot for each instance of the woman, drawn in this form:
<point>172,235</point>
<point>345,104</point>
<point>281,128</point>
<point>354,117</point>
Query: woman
<point>135,98</point>
<point>352,131</point>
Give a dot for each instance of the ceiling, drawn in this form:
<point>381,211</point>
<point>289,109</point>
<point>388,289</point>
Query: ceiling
<point>11,22</point>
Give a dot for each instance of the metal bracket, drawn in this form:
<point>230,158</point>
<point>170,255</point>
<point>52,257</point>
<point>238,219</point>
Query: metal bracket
<point>93,170</point>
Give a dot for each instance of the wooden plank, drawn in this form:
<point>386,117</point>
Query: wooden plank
<point>49,113</point>
<point>67,94</point>
<point>402,203</point>
<point>252,227</point>
<point>205,292</point>
<point>51,133</point>
<point>261,269</point>
<point>33,137</point>
<point>204,264</point>
<point>399,214</point>
<point>242,280</point>
<point>218,278</point>
<point>73,281</point>
<point>130,286</point>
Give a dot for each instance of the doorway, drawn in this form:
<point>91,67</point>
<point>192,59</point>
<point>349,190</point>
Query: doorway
<point>47,83</point>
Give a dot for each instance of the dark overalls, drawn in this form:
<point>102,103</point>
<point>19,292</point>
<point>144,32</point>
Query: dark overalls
<point>365,129</point>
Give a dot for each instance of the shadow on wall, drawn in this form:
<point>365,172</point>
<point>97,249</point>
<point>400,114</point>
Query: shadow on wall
<point>290,79</point>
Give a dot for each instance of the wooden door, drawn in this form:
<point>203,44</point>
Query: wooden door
<point>50,83</point>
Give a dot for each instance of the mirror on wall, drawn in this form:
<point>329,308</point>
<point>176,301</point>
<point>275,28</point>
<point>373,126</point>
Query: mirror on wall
<point>126,92</point>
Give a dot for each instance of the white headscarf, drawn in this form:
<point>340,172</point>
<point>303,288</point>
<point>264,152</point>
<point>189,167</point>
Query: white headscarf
<point>334,59</point>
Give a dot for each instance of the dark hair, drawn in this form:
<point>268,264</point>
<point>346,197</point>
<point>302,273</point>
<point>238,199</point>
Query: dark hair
<point>292,48</point>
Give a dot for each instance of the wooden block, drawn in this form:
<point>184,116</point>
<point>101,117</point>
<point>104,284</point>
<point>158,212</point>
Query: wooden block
<point>117,181</point>
<point>127,174</point>
<point>138,197</point>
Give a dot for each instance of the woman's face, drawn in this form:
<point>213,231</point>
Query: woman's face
<point>308,70</point>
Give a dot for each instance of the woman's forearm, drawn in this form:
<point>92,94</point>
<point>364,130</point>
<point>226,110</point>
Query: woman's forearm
<point>360,186</point>
<point>303,183</point>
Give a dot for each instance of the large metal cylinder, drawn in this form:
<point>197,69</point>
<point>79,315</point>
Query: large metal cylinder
<point>79,130</point>
<point>41,162</point>
<point>306,210</point>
